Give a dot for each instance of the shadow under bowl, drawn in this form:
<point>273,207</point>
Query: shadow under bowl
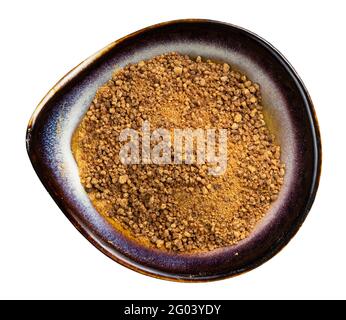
<point>287,104</point>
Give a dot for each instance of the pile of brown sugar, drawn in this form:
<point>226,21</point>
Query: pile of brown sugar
<point>180,207</point>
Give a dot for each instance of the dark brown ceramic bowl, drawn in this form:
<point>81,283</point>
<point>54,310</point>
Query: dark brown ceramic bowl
<point>287,103</point>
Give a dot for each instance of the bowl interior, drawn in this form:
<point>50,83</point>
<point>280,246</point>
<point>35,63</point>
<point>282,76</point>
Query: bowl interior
<point>287,105</point>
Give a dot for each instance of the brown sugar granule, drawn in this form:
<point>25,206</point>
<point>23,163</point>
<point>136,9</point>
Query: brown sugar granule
<point>180,207</point>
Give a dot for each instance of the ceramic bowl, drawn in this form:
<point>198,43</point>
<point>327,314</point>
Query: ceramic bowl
<point>286,100</point>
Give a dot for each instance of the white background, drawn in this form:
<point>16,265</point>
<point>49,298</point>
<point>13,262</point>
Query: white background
<point>41,253</point>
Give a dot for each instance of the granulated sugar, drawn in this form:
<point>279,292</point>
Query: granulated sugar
<point>180,207</point>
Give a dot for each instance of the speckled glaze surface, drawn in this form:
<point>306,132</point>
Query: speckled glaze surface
<point>287,102</point>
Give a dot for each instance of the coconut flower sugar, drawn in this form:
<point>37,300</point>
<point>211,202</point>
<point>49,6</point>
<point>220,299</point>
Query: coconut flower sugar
<point>186,206</point>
